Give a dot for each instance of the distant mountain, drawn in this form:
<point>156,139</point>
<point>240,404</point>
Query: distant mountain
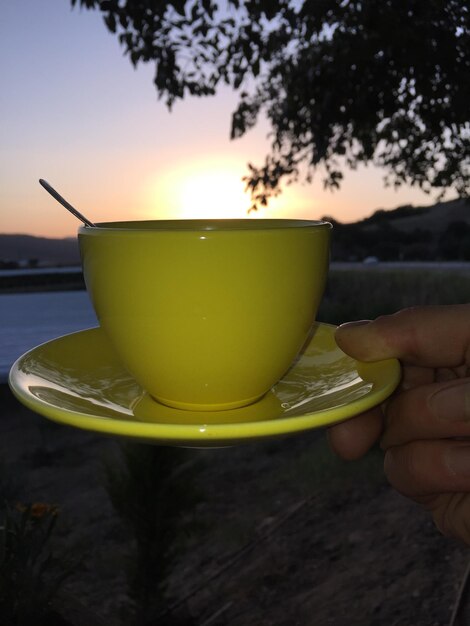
<point>435,218</point>
<point>26,249</point>
<point>437,232</point>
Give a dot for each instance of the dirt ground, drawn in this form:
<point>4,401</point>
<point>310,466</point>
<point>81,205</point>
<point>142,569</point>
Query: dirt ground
<point>283,534</point>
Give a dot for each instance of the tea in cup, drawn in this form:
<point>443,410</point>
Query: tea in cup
<point>206,314</point>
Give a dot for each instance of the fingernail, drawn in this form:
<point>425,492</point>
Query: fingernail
<point>353,324</point>
<point>458,460</point>
<point>452,403</point>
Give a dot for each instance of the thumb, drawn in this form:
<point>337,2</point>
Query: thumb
<point>428,336</point>
<point>361,340</point>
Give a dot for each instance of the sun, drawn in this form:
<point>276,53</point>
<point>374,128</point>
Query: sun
<point>205,190</point>
<point>216,193</point>
<point>214,189</point>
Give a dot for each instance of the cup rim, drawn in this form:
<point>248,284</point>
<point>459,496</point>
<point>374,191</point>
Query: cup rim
<point>202,225</point>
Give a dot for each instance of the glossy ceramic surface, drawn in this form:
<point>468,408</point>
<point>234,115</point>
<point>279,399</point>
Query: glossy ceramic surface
<point>192,307</point>
<point>78,380</point>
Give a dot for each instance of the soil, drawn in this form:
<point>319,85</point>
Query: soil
<point>280,534</point>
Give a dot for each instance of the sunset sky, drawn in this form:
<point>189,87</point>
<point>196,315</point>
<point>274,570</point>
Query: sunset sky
<point>74,111</point>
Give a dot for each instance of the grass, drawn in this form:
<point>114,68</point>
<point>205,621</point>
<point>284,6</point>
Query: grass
<point>267,479</point>
<point>31,573</point>
<point>367,293</point>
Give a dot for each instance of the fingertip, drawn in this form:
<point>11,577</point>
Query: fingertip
<point>348,328</point>
<point>351,337</point>
<point>370,341</point>
<point>351,439</point>
<point>340,446</point>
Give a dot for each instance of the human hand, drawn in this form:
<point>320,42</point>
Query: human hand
<point>424,428</point>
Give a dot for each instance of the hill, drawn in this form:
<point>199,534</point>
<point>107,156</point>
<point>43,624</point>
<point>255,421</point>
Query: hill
<point>437,232</point>
<point>29,250</point>
<point>435,218</point>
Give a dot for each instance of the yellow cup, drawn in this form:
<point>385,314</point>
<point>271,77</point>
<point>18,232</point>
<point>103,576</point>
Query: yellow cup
<point>206,314</point>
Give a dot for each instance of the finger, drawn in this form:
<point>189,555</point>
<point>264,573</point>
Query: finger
<point>451,512</point>
<point>353,438</point>
<point>424,468</point>
<point>434,336</point>
<point>436,411</point>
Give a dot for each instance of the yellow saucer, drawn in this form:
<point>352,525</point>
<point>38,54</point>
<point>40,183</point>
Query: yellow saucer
<point>77,380</point>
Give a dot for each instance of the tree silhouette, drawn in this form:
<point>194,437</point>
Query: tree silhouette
<point>342,82</point>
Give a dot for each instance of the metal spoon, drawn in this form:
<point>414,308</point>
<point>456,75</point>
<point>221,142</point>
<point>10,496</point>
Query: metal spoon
<point>64,203</point>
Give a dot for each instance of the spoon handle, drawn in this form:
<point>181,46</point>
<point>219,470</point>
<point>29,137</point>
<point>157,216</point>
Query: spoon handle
<point>64,202</point>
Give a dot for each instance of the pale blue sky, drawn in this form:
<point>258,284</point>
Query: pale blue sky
<point>75,112</point>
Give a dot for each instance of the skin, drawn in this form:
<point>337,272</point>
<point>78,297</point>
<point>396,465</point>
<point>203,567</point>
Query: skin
<point>424,428</point>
